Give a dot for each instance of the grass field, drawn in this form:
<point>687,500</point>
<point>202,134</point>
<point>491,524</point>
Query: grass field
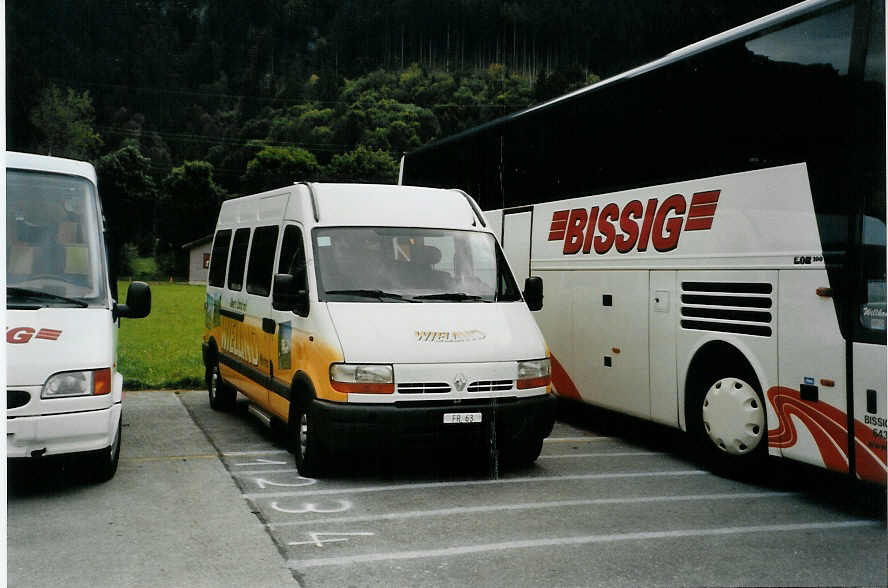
<point>163,350</point>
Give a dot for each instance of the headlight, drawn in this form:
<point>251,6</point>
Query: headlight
<point>362,378</point>
<point>85,383</point>
<point>534,374</point>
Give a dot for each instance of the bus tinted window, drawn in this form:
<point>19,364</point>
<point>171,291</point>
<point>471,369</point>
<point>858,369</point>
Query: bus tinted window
<point>238,259</point>
<point>262,260</point>
<point>219,258</point>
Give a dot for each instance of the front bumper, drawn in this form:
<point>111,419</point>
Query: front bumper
<point>56,434</point>
<point>353,426</point>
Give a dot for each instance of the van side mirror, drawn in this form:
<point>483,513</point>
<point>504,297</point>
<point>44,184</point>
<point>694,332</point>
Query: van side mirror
<point>138,302</point>
<point>288,295</point>
<point>533,292</point>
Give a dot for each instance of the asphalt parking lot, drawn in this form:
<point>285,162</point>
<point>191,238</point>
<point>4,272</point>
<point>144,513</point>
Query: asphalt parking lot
<point>213,499</point>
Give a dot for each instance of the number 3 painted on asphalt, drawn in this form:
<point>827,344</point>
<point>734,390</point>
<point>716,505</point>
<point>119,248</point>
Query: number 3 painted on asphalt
<point>308,507</point>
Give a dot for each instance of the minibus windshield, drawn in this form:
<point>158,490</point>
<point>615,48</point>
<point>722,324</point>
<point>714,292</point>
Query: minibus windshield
<point>53,242</point>
<point>395,264</point>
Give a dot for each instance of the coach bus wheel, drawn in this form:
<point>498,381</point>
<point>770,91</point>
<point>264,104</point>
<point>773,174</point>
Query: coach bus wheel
<point>728,418</point>
<point>304,443</point>
<point>222,396</point>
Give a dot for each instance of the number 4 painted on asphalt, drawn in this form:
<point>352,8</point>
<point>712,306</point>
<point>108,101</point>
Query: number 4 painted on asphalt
<point>335,538</point>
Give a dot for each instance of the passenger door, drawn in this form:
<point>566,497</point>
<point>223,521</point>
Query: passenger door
<point>291,329</point>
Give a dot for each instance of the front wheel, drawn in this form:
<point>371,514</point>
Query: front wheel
<point>728,419</point>
<point>304,443</point>
<point>222,396</point>
<point>102,465</point>
<point>523,452</point>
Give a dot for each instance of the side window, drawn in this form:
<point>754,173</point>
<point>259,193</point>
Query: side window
<point>261,260</point>
<point>238,259</point>
<point>292,260</point>
<point>219,258</point>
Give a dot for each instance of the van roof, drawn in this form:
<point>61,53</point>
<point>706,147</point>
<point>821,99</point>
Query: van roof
<point>31,161</point>
<point>357,205</point>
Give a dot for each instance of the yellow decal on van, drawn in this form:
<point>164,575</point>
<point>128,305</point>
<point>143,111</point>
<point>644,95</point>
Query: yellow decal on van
<point>240,341</point>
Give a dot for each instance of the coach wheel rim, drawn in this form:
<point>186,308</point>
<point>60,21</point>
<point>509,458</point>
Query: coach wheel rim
<point>733,416</point>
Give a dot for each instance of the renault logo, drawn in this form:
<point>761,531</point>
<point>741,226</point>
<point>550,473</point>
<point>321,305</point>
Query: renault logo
<point>460,382</point>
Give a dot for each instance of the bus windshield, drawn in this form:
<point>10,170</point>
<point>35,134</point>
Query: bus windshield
<point>385,264</point>
<point>53,242</point>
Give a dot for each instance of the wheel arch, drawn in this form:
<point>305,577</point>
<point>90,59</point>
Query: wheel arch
<point>714,358</point>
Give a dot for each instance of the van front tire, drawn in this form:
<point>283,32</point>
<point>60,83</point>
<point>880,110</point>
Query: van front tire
<point>307,449</point>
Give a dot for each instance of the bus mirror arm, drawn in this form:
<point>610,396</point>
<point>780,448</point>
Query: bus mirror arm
<point>138,302</point>
<point>287,296</point>
<point>533,292</point>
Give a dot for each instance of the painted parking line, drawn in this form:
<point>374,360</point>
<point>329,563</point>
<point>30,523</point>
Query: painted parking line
<point>167,458</point>
<point>258,452</point>
<point>297,564</point>
<point>430,485</point>
<point>602,454</point>
<point>257,472</point>
<point>463,510</point>
<point>575,439</point>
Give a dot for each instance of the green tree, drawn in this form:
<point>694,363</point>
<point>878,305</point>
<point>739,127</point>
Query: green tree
<point>66,124</point>
<point>128,195</point>
<point>189,204</point>
<point>274,167</point>
<point>363,165</point>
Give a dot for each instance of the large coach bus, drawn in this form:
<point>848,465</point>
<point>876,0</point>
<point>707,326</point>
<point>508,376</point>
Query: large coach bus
<point>710,230</point>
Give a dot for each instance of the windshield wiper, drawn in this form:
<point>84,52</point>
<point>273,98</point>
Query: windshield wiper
<point>41,295</point>
<point>380,294</point>
<point>456,296</point>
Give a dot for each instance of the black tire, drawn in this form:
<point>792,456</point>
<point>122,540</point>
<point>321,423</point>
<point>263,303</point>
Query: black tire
<point>222,395</point>
<point>727,417</point>
<point>523,452</point>
<point>311,458</point>
<point>102,465</point>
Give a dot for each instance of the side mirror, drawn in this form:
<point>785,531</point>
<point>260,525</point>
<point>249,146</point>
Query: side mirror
<point>138,302</point>
<point>533,292</point>
<point>288,295</point>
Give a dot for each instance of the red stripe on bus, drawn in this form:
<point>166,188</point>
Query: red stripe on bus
<point>710,197</point>
<point>556,235</point>
<point>698,224</point>
<point>702,210</point>
<point>564,386</point>
<point>560,215</point>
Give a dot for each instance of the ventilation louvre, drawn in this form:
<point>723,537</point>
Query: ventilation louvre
<point>728,307</point>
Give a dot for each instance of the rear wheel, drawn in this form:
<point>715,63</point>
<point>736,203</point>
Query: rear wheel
<point>728,418</point>
<point>222,396</point>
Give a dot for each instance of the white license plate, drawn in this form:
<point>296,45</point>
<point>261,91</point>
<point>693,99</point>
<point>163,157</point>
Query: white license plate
<point>461,417</point>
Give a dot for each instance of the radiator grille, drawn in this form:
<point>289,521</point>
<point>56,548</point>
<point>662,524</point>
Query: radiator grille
<point>490,386</point>
<point>424,388</point>
<point>728,307</point>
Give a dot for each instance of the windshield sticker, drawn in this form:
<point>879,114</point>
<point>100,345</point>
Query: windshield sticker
<point>449,336</point>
